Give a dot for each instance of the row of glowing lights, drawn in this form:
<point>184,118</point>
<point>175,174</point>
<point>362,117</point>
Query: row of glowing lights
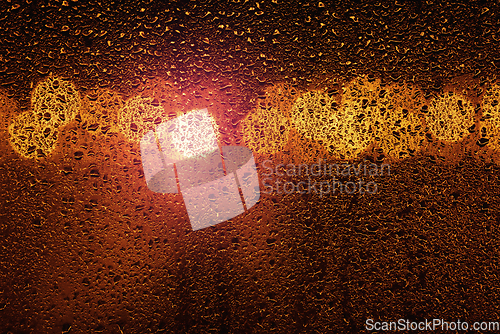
<point>395,117</point>
<point>345,125</point>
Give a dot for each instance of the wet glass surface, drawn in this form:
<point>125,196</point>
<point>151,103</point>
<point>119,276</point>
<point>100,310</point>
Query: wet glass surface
<point>96,238</point>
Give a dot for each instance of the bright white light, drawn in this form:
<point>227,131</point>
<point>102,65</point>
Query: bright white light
<point>190,135</point>
<point>191,161</point>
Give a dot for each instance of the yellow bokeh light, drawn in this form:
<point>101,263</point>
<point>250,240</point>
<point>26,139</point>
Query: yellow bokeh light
<point>56,101</point>
<point>34,133</point>
<point>266,130</point>
<point>450,116</point>
<point>345,128</point>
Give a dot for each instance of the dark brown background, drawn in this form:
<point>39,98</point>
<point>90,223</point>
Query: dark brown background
<point>88,253</point>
